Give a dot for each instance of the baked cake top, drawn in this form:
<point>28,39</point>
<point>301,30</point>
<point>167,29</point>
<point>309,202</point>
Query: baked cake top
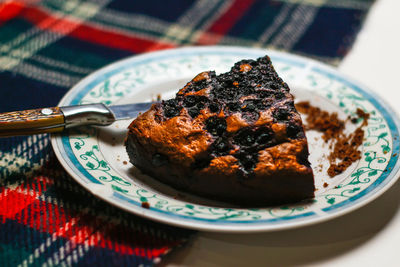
<point>242,121</point>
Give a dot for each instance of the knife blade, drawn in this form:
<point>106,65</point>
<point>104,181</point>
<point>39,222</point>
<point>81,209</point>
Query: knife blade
<point>129,111</point>
<point>56,119</point>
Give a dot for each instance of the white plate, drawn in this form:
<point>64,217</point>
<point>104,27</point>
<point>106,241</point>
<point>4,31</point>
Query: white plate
<point>96,157</point>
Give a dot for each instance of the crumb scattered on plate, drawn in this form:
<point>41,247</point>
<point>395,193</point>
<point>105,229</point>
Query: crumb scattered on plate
<point>344,146</point>
<point>145,205</point>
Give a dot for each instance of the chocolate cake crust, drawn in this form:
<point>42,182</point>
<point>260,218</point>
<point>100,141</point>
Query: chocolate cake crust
<point>235,137</point>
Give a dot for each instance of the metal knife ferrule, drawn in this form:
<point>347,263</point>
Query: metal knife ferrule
<point>89,114</point>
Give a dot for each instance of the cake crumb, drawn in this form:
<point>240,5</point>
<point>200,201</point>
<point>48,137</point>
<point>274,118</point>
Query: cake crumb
<point>320,167</point>
<point>125,162</point>
<point>363,115</point>
<point>327,123</point>
<point>344,147</point>
<point>325,185</point>
<point>145,205</point>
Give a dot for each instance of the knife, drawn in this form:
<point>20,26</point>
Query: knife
<point>56,119</point>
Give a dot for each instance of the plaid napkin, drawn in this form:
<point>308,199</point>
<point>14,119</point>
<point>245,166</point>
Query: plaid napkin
<point>47,46</point>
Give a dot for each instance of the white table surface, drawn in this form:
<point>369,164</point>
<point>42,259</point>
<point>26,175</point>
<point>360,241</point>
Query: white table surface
<point>369,236</point>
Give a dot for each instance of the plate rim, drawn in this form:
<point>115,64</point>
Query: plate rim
<point>232,227</point>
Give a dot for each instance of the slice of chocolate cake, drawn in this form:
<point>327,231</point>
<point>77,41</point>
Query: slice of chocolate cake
<point>235,137</point>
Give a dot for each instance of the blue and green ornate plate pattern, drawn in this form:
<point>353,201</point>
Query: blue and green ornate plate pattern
<point>96,157</point>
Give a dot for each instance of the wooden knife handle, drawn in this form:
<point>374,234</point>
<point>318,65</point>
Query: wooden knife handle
<point>44,120</point>
<point>50,120</point>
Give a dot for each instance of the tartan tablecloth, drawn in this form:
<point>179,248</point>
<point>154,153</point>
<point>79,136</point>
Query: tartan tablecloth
<point>46,47</point>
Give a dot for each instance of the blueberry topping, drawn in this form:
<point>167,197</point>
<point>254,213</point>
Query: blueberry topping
<point>214,107</point>
<point>245,138</point>
<point>171,108</point>
<point>201,84</point>
<point>281,113</point>
<point>294,131</point>
<point>232,107</point>
<point>265,136</point>
<point>247,161</point>
<point>216,126</point>
<point>194,104</point>
<point>190,101</point>
<point>221,146</point>
<point>194,112</point>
